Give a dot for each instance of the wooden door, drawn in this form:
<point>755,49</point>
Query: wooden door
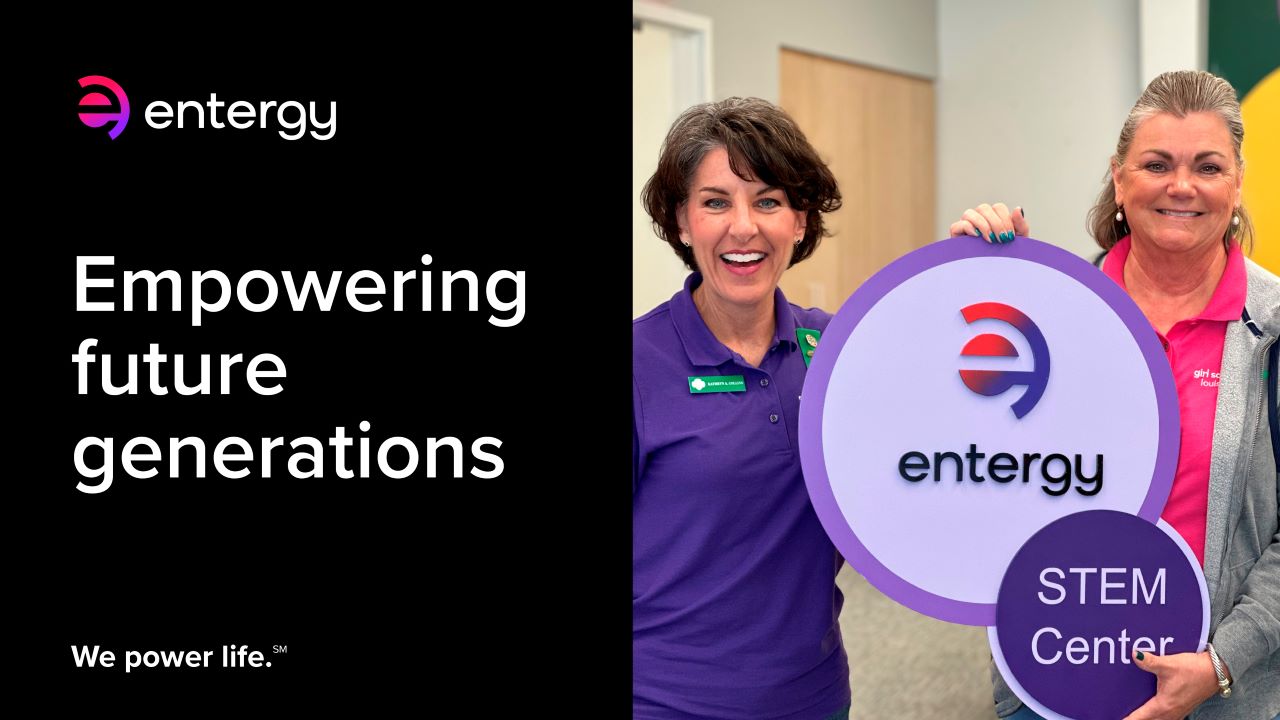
<point>875,129</point>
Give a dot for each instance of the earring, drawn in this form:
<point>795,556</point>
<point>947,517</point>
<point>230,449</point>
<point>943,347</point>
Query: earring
<point>1119,215</point>
<point>799,239</point>
<point>1235,221</point>
<point>686,243</point>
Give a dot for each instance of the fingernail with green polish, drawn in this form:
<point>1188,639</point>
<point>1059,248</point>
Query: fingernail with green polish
<point>1141,656</point>
<point>977,232</point>
<point>993,238</point>
<point>1009,236</point>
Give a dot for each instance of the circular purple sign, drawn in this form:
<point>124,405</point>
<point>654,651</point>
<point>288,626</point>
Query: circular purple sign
<point>968,395</point>
<point>1081,597</point>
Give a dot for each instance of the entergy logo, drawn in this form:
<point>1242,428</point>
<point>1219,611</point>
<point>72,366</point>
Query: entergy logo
<point>994,382</point>
<point>91,113</point>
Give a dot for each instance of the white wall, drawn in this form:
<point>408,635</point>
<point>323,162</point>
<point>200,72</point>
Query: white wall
<point>898,35</point>
<point>656,271</point>
<point>1031,97</point>
<point>1175,36</point>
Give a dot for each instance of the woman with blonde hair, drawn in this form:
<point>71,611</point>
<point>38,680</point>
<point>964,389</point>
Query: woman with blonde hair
<point>1171,222</point>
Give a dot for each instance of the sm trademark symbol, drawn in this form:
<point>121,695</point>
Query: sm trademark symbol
<point>280,649</point>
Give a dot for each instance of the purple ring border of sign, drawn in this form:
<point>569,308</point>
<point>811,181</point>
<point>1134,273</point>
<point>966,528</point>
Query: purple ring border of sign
<point>857,307</point>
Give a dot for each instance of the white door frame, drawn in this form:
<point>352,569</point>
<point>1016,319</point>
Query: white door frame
<point>691,49</point>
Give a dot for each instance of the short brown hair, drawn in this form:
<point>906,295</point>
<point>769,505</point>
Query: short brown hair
<point>763,144</point>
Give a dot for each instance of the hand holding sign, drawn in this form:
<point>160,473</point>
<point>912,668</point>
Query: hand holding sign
<point>992,222</point>
<point>1183,681</point>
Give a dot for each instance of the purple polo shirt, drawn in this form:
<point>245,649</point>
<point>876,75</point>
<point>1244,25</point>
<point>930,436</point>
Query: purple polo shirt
<point>734,604</point>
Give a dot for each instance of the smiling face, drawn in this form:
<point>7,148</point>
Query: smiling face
<point>742,232</point>
<point>1180,183</point>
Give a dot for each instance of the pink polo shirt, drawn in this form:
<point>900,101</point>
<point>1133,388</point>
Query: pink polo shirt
<point>1194,348</point>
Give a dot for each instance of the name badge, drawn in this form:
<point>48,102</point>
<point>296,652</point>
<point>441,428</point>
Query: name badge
<point>700,384</point>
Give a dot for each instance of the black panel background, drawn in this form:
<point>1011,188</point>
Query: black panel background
<point>489,140</point>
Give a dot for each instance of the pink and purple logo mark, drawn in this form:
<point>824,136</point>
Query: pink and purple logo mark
<point>90,104</point>
<point>994,382</point>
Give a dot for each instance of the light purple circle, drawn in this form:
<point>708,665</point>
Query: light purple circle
<point>888,574</point>
<point>1059,628</point>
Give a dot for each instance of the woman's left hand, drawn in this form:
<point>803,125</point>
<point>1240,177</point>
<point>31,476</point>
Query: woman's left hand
<point>1183,681</point>
<point>992,222</point>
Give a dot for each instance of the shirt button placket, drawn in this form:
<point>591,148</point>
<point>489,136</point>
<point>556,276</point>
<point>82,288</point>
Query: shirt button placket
<point>774,417</point>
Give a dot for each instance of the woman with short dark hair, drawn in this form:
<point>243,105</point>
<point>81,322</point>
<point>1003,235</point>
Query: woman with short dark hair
<point>735,608</point>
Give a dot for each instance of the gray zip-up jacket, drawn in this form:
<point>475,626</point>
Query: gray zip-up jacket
<point>1242,533</point>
